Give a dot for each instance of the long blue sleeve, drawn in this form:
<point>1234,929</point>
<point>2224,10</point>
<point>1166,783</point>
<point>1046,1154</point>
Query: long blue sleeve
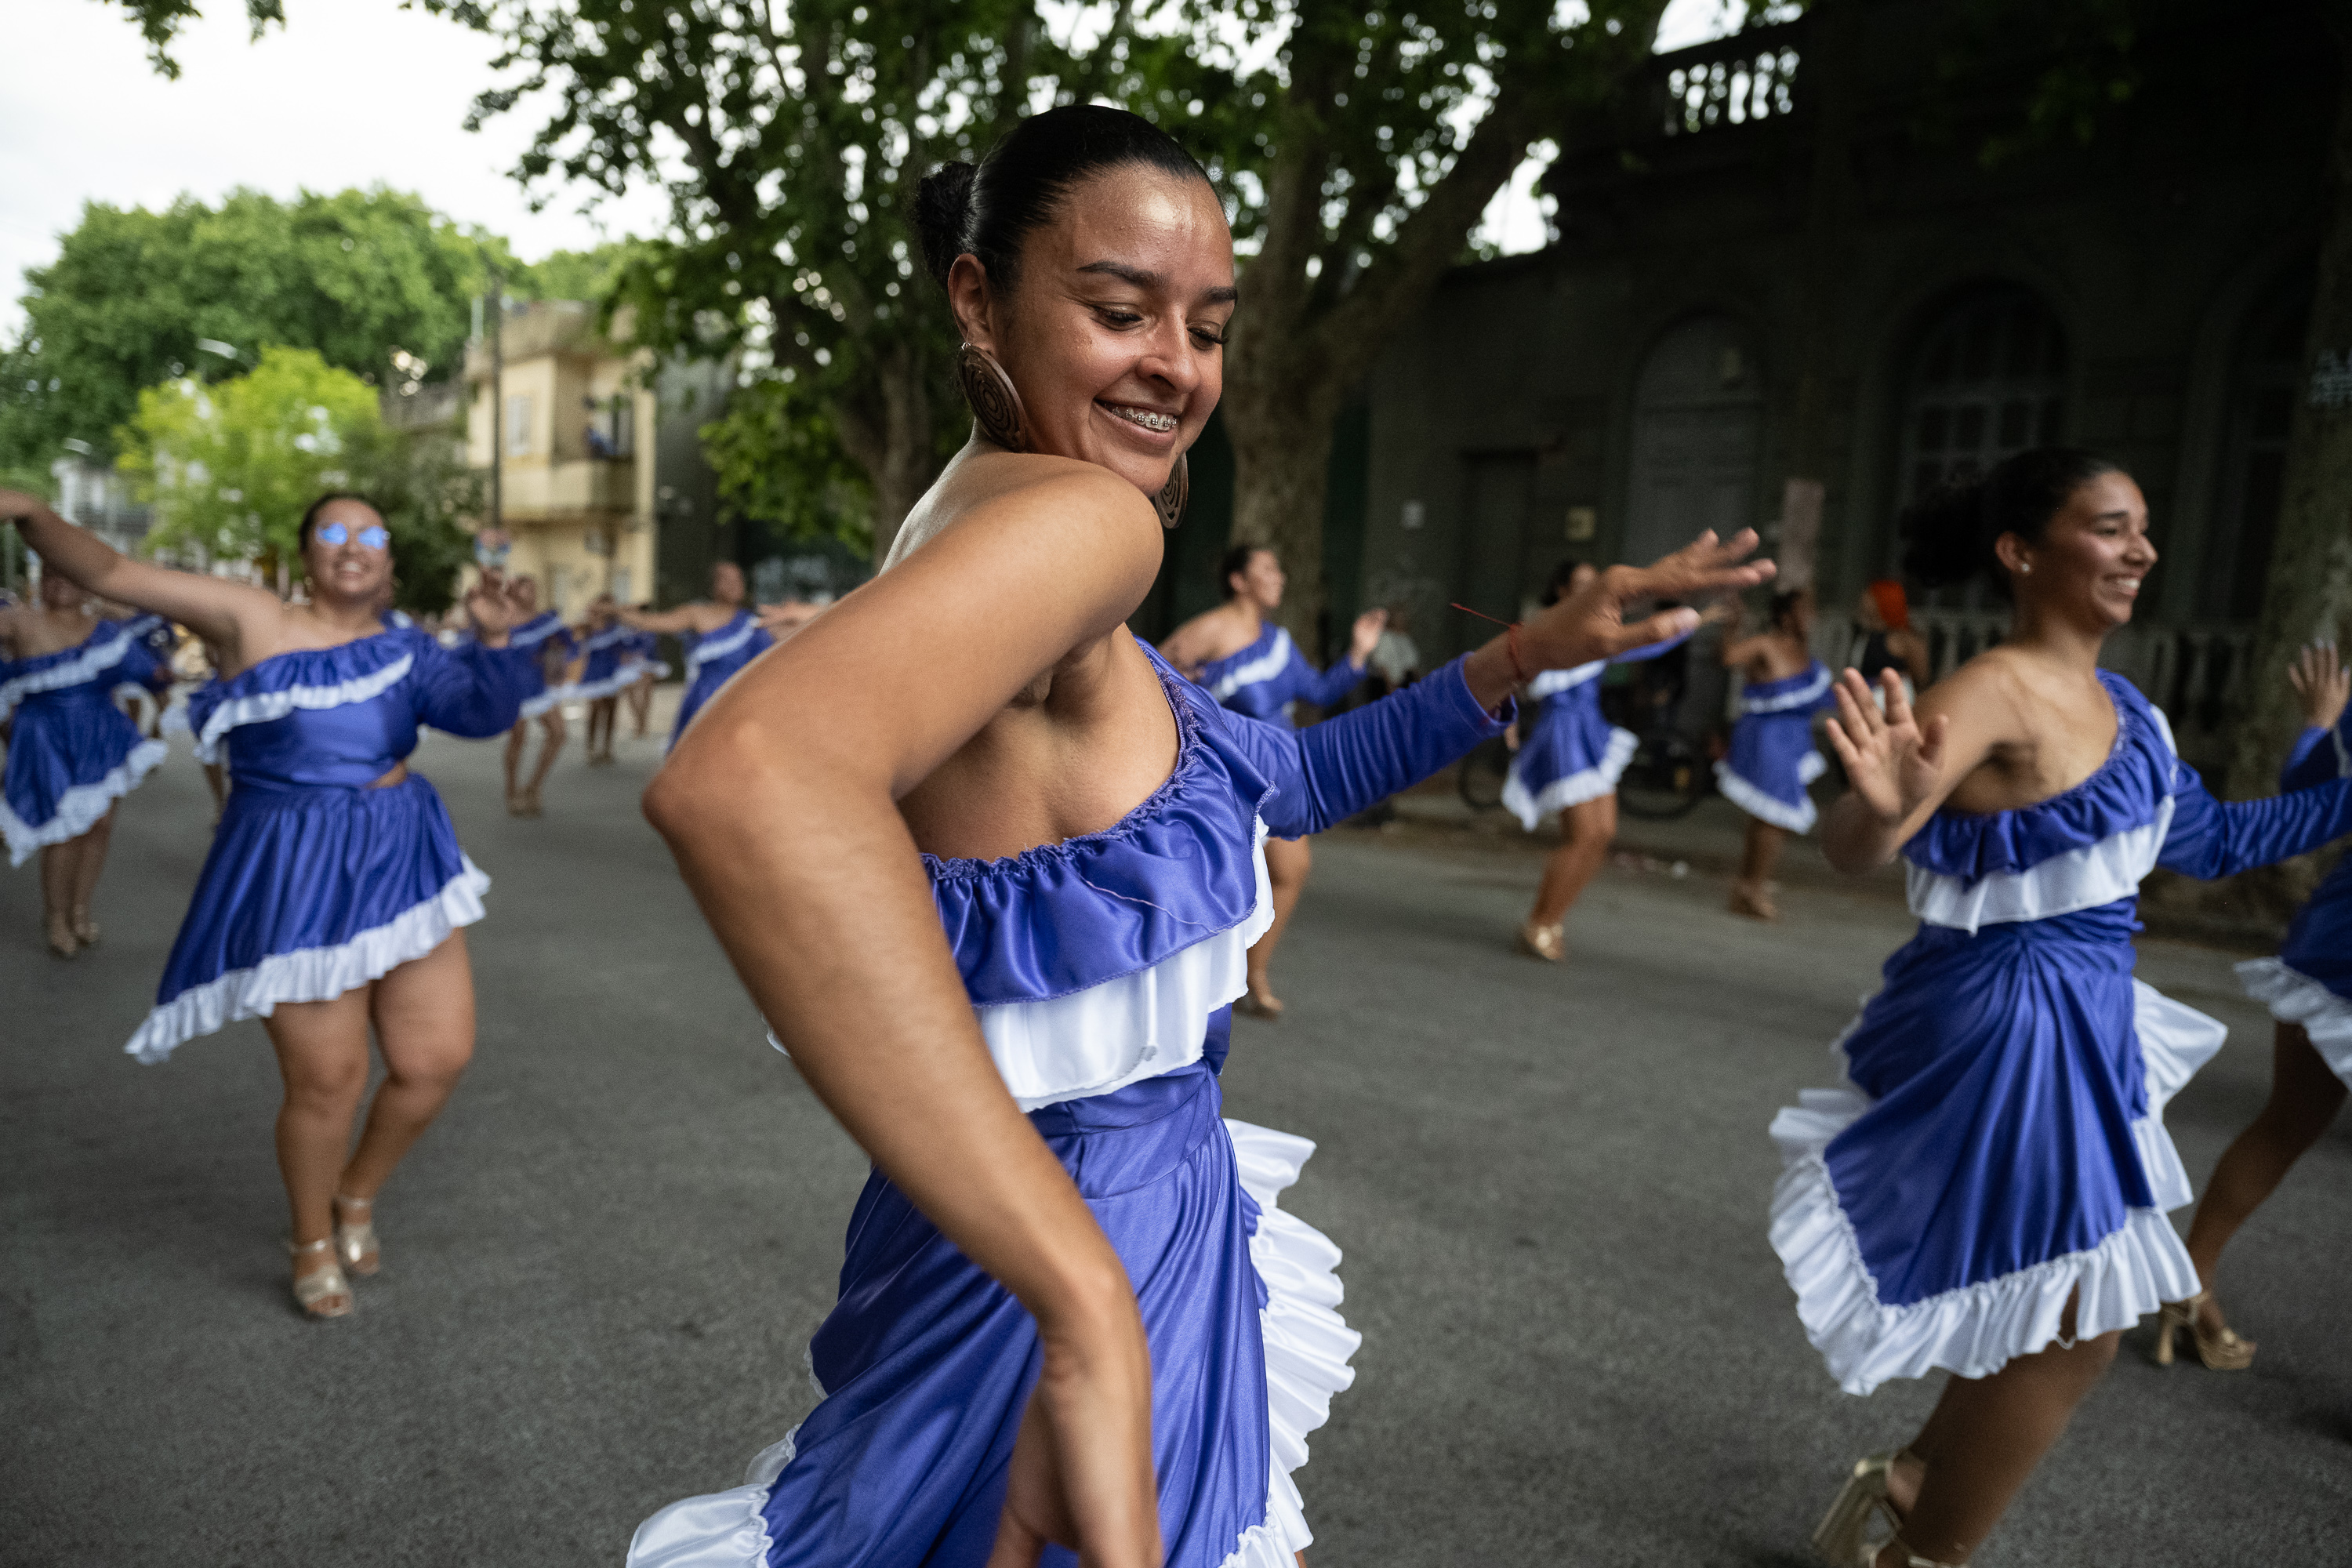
<point>2211,839</point>
<point>1328,774</point>
<point>472,691</point>
<point>2314,759</point>
<point>1327,689</point>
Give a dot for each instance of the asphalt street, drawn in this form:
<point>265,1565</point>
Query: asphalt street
<point>603,1264</point>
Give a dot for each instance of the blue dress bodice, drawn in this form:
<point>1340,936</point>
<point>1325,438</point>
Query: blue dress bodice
<point>1265,679</point>
<point>116,653</point>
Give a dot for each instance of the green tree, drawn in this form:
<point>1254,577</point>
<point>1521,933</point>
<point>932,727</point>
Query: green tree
<point>229,466</point>
<point>777,459</point>
<point>160,22</point>
<point>135,299</point>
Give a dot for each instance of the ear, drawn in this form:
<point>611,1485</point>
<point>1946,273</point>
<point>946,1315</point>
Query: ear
<point>2009,551</point>
<point>973,302</point>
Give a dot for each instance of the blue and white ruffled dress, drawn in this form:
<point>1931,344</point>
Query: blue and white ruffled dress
<point>1772,756</point>
<point>1567,753</point>
<point>713,661</point>
<point>643,651</point>
<point>72,754</point>
<point>2310,980</point>
<point>1998,1144</point>
<point>608,671</point>
<point>1265,679</point>
<point>1102,969</point>
<point>549,644</point>
<point>318,883</point>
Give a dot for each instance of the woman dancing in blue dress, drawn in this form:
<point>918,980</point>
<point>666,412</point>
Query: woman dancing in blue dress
<point>727,635</point>
<point>1249,663</point>
<point>1986,1191</point>
<point>334,890</point>
<point>991,878</point>
<point>555,655</point>
<point>1772,760</point>
<point>2308,989</point>
<point>72,752</point>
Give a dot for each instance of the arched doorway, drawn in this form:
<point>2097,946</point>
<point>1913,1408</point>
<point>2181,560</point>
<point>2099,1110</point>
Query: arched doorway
<point>1987,379</point>
<point>1698,424</point>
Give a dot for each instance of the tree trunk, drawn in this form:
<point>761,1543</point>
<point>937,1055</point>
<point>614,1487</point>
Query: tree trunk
<point>1281,435</point>
<point>894,442</point>
<point>2309,594</point>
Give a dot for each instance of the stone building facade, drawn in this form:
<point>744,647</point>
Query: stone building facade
<point>1791,264</point>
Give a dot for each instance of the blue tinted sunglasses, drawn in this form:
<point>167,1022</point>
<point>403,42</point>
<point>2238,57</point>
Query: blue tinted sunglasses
<point>371,537</point>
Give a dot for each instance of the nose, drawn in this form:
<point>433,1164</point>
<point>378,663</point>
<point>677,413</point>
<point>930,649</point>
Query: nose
<point>1167,357</point>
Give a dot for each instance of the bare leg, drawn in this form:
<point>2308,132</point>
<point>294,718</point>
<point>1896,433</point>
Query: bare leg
<point>1750,894</point>
<point>2305,1099</point>
<point>552,731</point>
<point>91,860</point>
<point>322,1053</point>
<point>56,899</point>
<point>1585,832</point>
<point>1288,862</point>
<point>601,715</point>
<point>424,1014</point>
<point>641,702</point>
<point>516,738</point>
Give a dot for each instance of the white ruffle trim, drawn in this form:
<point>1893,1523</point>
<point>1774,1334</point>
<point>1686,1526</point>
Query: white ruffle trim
<point>612,685</point>
<point>2294,998</point>
<point>553,696</point>
<point>2081,878</point>
<point>1265,666</point>
<point>1805,696</point>
<point>1552,682</point>
<point>1307,1345</point>
<point>1976,1330</point>
<point>716,648</point>
<point>84,667</point>
<point>313,974</point>
<point>79,807</point>
<point>1569,789</point>
<point>265,707</point>
<point>656,668</point>
<point>1766,806</point>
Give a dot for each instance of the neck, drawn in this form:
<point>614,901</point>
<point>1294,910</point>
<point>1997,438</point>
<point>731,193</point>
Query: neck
<point>344,615</point>
<point>2039,630</point>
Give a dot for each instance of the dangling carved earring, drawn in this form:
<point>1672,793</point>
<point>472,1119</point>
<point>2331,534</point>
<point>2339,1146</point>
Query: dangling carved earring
<point>995,402</point>
<point>1170,502</point>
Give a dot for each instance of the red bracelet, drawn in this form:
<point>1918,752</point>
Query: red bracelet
<point>1510,641</point>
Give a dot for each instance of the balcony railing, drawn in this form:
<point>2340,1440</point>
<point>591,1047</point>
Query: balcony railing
<point>1738,81</point>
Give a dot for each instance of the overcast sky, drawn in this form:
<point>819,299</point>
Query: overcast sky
<point>350,92</point>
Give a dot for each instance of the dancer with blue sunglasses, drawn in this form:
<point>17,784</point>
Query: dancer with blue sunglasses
<point>335,891</point>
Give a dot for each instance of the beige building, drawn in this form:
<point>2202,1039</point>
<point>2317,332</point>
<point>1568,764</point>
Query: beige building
<point>577,503</point>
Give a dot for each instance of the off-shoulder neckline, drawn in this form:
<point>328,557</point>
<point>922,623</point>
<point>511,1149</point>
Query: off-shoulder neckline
<point>2107,765</point>
<point>963,868</point>
<point>383,631</point>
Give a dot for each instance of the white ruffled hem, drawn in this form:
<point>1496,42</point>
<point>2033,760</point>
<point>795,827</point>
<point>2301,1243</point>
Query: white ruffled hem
<point>85,666</point>
<point>1769,807</point>
<point>2294,998</point>
<point>612,685</point>
<point>313,974</point>
<point>1976,1330</point>
<point>1804,696</point>
<point>79,808</point>
<point>553,696</point>
<point>1307,1345</point>
<point>1571,789</point>
<point>265,707</point>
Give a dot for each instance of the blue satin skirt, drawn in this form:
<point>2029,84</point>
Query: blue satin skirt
<point>1772,761</point>
<point>71,754</point>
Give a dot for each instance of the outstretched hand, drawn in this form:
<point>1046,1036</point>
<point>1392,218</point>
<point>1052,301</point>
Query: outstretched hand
<point>1590,622</point>
<point>1893,764</point>
<point>1366,636</point>
<point>1081,1474</point>
<point>2323,681</point>
<point>494,606</point>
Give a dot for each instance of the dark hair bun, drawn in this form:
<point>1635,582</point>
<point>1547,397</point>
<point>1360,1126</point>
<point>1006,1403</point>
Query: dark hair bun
<point>942,211</point>
<point>1950,534</point>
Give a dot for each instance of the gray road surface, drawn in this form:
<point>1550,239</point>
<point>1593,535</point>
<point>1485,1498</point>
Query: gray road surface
<point>603,1264</point>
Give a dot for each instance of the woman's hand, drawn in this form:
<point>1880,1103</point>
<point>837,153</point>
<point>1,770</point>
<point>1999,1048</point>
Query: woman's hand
<point>1081,1474</point>
<point>1366,636</point>
<point>494,608</point>
<point>1892,766</point>
<point>2323,681</point>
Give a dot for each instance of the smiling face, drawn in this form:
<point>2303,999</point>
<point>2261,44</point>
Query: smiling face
<point>2092,558</point>
<point>350,563</point>
<point>1114,330</point>
<point>1261,582</point>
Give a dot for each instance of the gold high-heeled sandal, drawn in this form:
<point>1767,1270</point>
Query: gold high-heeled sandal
<point>85,928</point>
<point>1547,943</point>
<point>2220,1350</point>
<point>1842,1537</point>
<point>321,1284</point>
<point>356,1245</point>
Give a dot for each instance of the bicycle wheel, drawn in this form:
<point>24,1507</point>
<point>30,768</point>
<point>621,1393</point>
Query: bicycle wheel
<point>1480,778</point>
<point>1663,780</point>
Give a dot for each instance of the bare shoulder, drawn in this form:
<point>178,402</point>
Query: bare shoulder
<point>1989,690</point>
<point>1033,501</point>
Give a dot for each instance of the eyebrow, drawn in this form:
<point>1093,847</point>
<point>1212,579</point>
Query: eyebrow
<point>1143,279</point>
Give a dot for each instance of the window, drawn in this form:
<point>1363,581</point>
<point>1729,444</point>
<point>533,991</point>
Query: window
<point>518,437</point>
<point>1989,379</point>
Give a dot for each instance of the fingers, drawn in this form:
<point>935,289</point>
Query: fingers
<point>1849,755</point>
<point>1898,706</point>
<point>1660,627</point>
<point>1855,708</point>
<point>1931,741</point>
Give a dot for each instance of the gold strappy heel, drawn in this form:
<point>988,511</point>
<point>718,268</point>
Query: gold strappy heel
<point>1841,1536</point>
<point>1547,943</point>
<point>321,1284</point>
<point>2220,1350</point>
<point>356,1245</point>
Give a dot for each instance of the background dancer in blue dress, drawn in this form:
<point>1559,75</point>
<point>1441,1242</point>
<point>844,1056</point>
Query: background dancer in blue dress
<point>72,754</point>
<point>723,636</point>
<point>1772,757</point>
<point>642,654</point>
<point>972,863</point>
<point>334,889</point>
<point>2308,989</point>
<point>1987,1191</point>
<point>1568,758</point>
<point>1249,663</point>
<point>606,670</point>
<point>553,653</point>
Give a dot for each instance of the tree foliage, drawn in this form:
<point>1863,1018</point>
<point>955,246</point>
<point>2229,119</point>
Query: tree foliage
<point>160,22</point>
<point>777,460</point>
<point>134,296</point>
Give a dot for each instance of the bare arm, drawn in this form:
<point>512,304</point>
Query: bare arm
<point>1187,647</point>
<point>1900,764</point>
<point>694,618</point>
<point>223,613</point>
<point>831,925</point>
